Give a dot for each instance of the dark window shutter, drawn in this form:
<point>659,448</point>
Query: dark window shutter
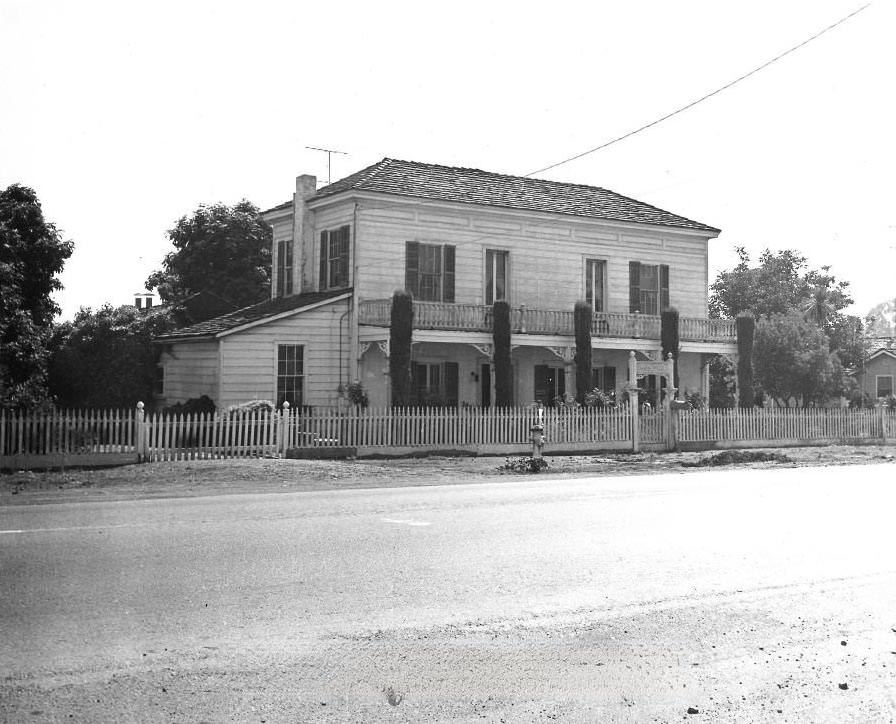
<point>344,241</point>
<point>448,267</point>
<point>281,264</point>
<point>324,250</point>
<point>451,384</point>
<point>634,286</point>
<point>411,264</point>
<point>664,287</point>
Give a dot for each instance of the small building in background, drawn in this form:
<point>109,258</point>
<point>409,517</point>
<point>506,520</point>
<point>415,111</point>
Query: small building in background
<point>877,376</point>
<point>144,300</point>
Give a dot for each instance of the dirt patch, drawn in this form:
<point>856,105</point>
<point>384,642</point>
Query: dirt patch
<point>191,478</point>
<point>735,457</point>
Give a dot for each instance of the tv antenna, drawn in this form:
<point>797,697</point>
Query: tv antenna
<point>329,152</point>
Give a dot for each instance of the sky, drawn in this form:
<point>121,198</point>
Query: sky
<point>126,116</point>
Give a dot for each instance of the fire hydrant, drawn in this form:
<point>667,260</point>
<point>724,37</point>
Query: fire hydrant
<point>536,437</point>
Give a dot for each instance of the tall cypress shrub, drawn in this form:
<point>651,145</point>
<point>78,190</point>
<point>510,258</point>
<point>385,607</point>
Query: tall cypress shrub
<point>746,330</point>
<point>669,340</point>
<point>503,369</point>
<point>400,330</point>
<point>582,315</point>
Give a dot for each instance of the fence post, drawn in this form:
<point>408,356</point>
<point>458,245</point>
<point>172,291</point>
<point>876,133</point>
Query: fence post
<point>142,447</point>
<point>882,412</point>
<point>282,433</point>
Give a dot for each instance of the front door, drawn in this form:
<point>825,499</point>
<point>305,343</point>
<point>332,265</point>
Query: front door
<point>485,382</point>
<point>550,383</point>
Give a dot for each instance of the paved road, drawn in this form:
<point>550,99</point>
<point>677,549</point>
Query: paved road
<point>745,595</point>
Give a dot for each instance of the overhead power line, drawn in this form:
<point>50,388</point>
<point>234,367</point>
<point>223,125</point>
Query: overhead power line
<point>702,98</point>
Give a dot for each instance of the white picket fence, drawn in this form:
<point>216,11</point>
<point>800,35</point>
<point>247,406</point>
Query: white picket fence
<point>786,425</point>
<point>91,437</point>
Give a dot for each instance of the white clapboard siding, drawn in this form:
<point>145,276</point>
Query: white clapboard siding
<point>249,358</point>
<point>191,370</point>
<point>531,239</point>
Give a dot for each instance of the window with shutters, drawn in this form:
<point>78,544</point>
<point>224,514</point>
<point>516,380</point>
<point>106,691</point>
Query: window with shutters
<point>495,275</point>
<point>429,271</point>
<point>290,374</point>
<point>284,268</point>
<point>648,287</point>
<point>434,384</point>
<point>595,275</point>
<point>334,258</point>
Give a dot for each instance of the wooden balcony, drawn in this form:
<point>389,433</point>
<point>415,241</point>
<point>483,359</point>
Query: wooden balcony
<point>524,320</point>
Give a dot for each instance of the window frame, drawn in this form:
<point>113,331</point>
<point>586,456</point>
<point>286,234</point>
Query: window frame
<point>284,274</point>
<point>587,277</point>
<point>301,376</point>
<point>328,262</point>
<point>491,253</point>
<point>446,275</point>
<point>637,302</point>
<point>877,379</point>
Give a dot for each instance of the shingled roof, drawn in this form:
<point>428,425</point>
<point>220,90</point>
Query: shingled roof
<point>255,313</point>
<point>472,186</point>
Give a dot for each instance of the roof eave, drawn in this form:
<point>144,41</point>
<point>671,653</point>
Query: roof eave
<point>703,230</point>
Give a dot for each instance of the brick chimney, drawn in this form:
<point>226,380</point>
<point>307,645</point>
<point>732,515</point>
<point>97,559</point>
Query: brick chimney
<point>303,234</point>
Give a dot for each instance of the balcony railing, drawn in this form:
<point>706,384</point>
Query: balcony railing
<point>524,320</point>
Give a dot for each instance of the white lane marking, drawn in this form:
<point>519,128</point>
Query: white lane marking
<point>406,522</point>
<point>77,527</point>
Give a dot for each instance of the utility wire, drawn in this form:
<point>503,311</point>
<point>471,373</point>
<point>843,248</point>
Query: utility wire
<point>702,98</point>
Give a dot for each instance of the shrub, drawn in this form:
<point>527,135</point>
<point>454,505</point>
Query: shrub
<point>524,465</point>
<point>401,328</point>
<point>669,340</point>
<point>503,368</point>
<point>746,327</point>
<point>582,315</point>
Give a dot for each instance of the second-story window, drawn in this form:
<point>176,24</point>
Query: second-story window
<point>284,268</point>
<point>429,271</point>
<point>495,275</point>
<point>648,287</point>
<point>595,273</point>
<point>334,258</point>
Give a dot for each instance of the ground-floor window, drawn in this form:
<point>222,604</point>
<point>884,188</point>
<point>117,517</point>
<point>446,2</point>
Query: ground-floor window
<point>604,379</point>
<point>550,384</point>
<point>434,384</point>
<point>884,385</point>
<point>290,374</point>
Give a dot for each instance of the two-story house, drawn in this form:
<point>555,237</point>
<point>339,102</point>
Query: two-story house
<point>458,239</point>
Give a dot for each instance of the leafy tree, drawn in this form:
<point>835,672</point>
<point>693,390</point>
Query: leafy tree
<point>400,331</point>
<point>32,254</point>
<point>793,361</point>
<point>722,377</point>
<point>582,315</point>
<point>669,340</point>
<point>222,250</point>
<point>106,358</point>
<point>503,368</point>
<point>781,282</point>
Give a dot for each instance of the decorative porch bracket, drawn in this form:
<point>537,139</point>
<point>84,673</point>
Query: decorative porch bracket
<point>567,354</point>
<point>487,350</point>
<point>384,347</point>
